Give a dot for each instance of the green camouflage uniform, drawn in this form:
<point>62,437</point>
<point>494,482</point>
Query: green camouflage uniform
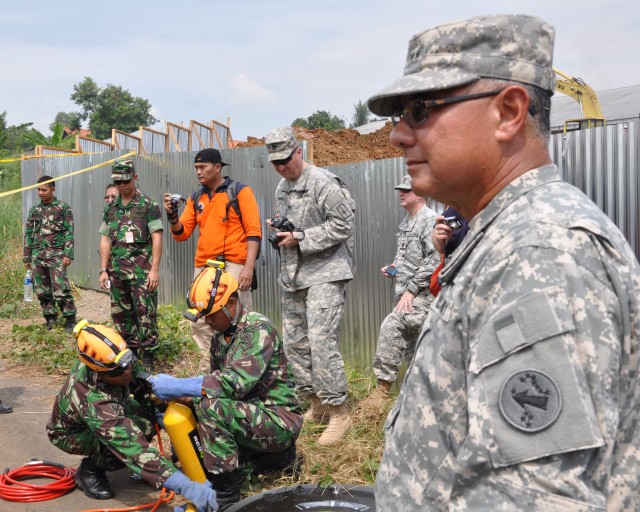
<point>250,403</point>
<point>48,238</point>
<point>107,424</point>
<point>133,306</point>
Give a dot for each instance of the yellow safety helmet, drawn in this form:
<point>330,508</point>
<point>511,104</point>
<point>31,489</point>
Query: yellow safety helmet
<point>209,292</point>
<point>102,348</point>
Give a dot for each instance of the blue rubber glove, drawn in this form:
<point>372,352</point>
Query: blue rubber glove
<point>201,495</point>
<point>167,387</point>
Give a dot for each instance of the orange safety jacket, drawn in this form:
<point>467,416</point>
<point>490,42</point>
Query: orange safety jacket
<point>217,236</point>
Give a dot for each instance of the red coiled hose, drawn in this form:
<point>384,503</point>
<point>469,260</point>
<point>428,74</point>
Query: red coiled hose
<point>13,488</point>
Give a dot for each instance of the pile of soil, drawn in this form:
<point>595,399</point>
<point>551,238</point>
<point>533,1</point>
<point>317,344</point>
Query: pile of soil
<point>342,146</point>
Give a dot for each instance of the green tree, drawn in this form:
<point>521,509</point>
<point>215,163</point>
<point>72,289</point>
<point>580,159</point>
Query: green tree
<point>71,120</point>
<point>320,119</point>
<point>12,138</point>
<point>111,107</point>
<point>361,114</point>
<point>56,140</point>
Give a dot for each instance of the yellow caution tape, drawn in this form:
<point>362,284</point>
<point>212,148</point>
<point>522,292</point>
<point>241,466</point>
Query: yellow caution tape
<point>10,192</point>
<point>53,155</point>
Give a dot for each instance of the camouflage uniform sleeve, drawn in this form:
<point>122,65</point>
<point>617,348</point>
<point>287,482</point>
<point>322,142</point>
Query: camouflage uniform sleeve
<point>246,363</point>
<point>28,236</point>
<point>337,215</point>
<point>104,227</point>
<point>105,418</point>
<point>154,217</point>
<point>67,219</point>
<point>430,257</point>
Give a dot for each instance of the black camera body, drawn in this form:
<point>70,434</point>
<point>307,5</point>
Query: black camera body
<point>175,201</point>
<point>453,222</point>
<point>283,225</point>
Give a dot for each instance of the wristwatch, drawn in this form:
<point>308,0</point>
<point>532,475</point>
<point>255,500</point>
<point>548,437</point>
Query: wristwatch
<point>103,270</point>
<point>298,235</point>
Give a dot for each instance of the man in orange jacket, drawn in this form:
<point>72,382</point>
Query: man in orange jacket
<point>223,233</point>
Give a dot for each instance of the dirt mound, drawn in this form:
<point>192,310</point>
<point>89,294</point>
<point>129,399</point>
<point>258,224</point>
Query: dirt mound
<point>343,146</point>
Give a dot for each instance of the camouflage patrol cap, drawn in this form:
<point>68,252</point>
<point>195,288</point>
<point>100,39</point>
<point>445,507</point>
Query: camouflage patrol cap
<point>280,143</point>
<point>405,184</point>
<point>122,170</point>
<point>507,47</point>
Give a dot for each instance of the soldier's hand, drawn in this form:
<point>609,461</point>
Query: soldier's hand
<point>153,279</point>
<point>66,261</point>
<point>28,266</point>
<point>104,279</point>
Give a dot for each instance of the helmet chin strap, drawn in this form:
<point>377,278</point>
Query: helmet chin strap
<point>234,319</point>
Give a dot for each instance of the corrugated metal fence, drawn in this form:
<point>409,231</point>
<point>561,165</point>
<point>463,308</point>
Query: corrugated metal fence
<point>603,162</point>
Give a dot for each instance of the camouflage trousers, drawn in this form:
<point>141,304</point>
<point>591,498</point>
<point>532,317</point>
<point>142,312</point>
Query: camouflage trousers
<point>200,331</point>
<point>228,426</point>
<point>398,336</point>
<point>134,311</point>
<point>311,326</point>
<point>119,449</point>
<point>51,284</point>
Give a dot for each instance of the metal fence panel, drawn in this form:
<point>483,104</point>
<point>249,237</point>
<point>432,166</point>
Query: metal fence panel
<point>603,162</point>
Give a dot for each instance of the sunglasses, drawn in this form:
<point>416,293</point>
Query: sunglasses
<point>121,182</point>
<point>285,161</point>
<point>416,112</point>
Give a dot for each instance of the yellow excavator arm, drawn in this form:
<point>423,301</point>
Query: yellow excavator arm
<point>586,97</point>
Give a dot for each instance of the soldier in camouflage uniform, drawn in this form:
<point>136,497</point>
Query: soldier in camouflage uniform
<point>413,265</point>
<point>315,264</point>
<point>48,251</point>
<point>247,406</point>
<point>130,251</point>
<point>523,393</point>
<point>95,415</point>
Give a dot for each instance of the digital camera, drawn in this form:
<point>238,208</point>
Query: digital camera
<point>283,225</point>
<point>175,201</point>
<point>453,222</point>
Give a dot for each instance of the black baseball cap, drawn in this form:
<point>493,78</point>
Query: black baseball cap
<point>209,155</point>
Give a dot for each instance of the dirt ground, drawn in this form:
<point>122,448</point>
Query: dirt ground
<point>92,305</point>
<point>343,146</point>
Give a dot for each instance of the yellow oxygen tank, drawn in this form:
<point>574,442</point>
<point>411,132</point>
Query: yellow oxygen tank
<point>183,432</point>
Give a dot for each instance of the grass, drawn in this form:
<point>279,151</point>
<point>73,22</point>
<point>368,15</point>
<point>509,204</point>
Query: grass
<point>353,462</point>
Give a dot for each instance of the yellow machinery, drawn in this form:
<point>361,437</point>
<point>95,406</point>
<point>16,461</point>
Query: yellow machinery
<point>183,432</point>
<point>585,96</point>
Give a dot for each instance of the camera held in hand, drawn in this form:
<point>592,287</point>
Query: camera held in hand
<point>453,222</point>
<point>175,201</point>
<point>283,225</point>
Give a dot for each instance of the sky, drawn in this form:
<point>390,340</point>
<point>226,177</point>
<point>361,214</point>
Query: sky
<point>260,64</point>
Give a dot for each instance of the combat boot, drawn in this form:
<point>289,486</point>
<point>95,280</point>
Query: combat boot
<point>4,408</point>
<point>69,323</point>
<point>339,424</point>
<point>317,412</point>
<point>375,402</point>
<point>288,461</point>
<point>93,481</point>
<point>227,487</point>
<point>50,321</point>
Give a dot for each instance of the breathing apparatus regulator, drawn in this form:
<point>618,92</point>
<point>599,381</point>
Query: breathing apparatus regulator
<point>210,292</point>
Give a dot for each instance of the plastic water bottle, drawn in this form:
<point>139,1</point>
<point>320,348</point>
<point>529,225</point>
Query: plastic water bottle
<point>28,286</point>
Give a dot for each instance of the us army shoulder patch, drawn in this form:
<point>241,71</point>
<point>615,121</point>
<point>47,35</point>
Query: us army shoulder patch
<point>530,400</point>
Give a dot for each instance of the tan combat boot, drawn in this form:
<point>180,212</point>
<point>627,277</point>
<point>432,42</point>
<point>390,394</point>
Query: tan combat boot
<point>339,424</point>
<point>317,412</point>
<point>375,402</point>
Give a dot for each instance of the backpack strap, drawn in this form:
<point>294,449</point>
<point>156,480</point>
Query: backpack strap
<point>232,194</point>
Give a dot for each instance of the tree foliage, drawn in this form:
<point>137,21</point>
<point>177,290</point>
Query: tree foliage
<point>12,138</point>
<point>107,108</point>
<point>71,120</point>
<point>320,119</point>
<point>361,114</point>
